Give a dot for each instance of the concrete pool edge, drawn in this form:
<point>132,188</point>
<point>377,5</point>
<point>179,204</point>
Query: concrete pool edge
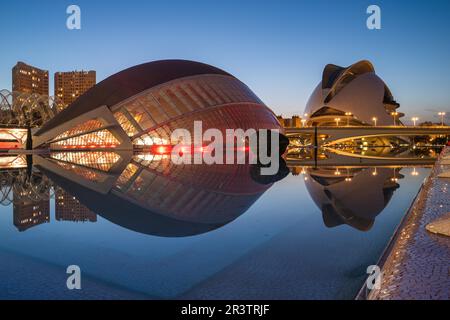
<point>411,246</point>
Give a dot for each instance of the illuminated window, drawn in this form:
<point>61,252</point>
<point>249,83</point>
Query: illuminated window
<point>127,175</point>
<point>102,161</point>
<point>126,125</point>
<point>97,139</point>
<point>85,127</point>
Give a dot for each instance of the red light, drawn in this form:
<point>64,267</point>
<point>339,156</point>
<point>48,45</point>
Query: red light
<point>161,149</point>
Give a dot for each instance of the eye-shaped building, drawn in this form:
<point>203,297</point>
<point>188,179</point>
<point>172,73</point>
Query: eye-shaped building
<point>355,92</point>
<point>142,105</point>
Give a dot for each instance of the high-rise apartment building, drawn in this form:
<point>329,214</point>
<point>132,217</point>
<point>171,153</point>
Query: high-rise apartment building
<point>29,79</point>
<point>70,85</point>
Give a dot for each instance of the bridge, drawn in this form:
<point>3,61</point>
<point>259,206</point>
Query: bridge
<point>344,161</point>
<point>334,135</point>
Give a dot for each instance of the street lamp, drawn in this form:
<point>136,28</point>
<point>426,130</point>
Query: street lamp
<point>394,114</point>
<point>414,119</point>
<point>442,115</point>
<point>337,121</point>
<point>348,115</point>
<point>374,119</point>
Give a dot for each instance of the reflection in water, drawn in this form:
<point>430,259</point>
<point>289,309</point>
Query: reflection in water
<point>374,152</point>
<point>31,201</point>
<point>149,194</point>
<point>30,196</point>
<point>69,208</point>
<point>353,197</point>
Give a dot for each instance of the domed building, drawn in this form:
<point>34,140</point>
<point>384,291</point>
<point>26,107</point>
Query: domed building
<point>142,105</point>
<point>355,95</point>
<point>354,198</point>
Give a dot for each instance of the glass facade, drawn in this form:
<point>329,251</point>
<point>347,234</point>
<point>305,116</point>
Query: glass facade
<point>241,115</point>
<point>102,161</point>
<point>149,117</point>
<point>90,125</point>
<point>219,101</point>
<point>86,173</point>
<point>188,192</point>
<point>98,139</point>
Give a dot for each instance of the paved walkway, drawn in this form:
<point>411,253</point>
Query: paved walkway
<point>416,265</point>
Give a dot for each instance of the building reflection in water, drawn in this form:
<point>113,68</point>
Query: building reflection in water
<point>351,196</point>
<point>68,208</point>
<point>31,200</point>
<point>149,194</point>
<point>29,193</point>
<point>30,212</point>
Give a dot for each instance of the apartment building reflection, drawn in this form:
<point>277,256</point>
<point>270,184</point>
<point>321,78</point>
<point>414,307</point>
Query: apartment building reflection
<point>68,208</point>
<point>29,212</point>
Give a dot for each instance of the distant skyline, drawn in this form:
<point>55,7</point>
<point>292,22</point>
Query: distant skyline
<point>278,48</point>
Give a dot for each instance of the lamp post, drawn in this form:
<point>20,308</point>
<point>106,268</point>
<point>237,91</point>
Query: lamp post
<point>374,119</point>
<point>348,115</point>
<point>337,121</point>
<point>442,115</point>
<point>414,119</point>
<point>394,114</point>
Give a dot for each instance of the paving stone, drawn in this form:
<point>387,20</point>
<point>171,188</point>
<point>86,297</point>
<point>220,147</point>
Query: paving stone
<point>418,263</point>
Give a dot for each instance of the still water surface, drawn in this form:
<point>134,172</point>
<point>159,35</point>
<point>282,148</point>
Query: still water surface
<point>310,235</point>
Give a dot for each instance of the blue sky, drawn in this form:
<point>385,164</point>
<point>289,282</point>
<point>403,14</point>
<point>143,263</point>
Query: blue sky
<point>278,48</point>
